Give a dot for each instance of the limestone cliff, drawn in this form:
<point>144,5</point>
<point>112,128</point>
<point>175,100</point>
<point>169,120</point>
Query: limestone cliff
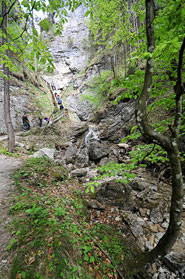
<point>76,63</point>
<point>28,93</point>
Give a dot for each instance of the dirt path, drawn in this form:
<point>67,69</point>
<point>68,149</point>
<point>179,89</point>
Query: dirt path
<point>7,167</point>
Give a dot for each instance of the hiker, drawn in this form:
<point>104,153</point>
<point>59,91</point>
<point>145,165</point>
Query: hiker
<point>57,97</point>
<point>26,122</point>
<point>40,121</point>
<point>60,104</point>
<point>40,117</point>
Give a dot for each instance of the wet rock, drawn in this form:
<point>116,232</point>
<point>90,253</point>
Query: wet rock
<point>79,132</point>
<point>91,136</point>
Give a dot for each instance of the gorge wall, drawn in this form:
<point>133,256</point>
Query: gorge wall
<point>76,63</point>
<point>28,93</point>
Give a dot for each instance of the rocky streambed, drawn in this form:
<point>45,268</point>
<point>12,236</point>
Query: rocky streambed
<point>141,206</point>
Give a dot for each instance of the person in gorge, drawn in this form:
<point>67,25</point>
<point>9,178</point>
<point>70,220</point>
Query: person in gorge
<point>60,100</point>
<point>26,122</point>
<point>40,120</point>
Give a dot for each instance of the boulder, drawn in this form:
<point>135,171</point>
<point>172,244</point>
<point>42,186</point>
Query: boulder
<point>135,223</point>
<point>70,154</point>
<point>82,157</point>
<point>140,184</point>
<point>79,172</point>
<point>97,151</point>
<point>45,152</point>
<point>115,193</point>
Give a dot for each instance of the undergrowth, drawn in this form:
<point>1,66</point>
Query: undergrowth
<point>51,236</point>
<point>5,151</point>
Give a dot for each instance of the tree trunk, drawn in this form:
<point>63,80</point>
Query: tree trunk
<point>125,58</point>
<point>169,143</point>
<point>8,122</point>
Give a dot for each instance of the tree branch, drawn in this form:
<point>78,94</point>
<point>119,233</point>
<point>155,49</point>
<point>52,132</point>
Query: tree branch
<point>179,91</point>
<point>148,153</point>
<point>25,26</point>
<point>180,65</point>
<point>149,133</point>
<point>169,143</point>
<point>7,12</point>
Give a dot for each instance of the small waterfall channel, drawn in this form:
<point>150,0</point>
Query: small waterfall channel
<point>92,135</point>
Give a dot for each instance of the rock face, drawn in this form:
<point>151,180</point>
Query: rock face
<point>99,143</point>
<point>23,88</point>
<point>73,57</point>
<point>71,50</point>
<point>18,105</point>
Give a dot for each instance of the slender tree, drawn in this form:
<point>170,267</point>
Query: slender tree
<point>7,116</point>
<point>168,142</point>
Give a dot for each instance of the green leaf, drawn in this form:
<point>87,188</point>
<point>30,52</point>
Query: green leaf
<point>45,24</point>
<point>29,211</point>
<point>147,55</point>
<point>25,4</point>
<point>23,274</point>
<point>35,32</point>
<point>142,17</point>
<point>18,232</point>
<point>86,258</point>
<point>92,259</point>
<point>87,13</point>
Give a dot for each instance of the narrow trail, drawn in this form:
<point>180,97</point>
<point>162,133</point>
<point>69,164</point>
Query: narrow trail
<point>7,167</point>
